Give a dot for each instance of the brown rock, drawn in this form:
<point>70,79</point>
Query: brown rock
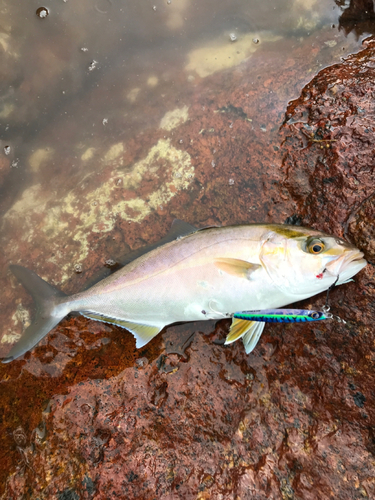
<point>361,227</point>
<point>330,142</point>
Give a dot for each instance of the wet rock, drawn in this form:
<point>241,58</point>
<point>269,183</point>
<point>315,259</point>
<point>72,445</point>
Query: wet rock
<point>328,151</point>
<point>361,228</point>
<point>359,399</point>
<point>359,17</point>
<point>186,416</point>
<point>270,427</point>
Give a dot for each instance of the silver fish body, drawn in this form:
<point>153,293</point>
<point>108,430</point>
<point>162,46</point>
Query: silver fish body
<point>181,281</point>
<point>209,274</point>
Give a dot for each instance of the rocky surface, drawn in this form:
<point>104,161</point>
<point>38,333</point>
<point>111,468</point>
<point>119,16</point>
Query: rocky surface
<point>86,415</point>
<point>329,161</point>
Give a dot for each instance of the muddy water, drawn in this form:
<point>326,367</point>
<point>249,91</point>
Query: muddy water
<point>115,118</point>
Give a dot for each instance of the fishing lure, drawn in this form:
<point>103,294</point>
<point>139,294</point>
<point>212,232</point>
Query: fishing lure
<point>290,315</point>
<point>284,315</point>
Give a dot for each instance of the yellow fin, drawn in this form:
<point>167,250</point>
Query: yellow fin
<point>142,333</point>
<point>236,267</point>
<point>250,331</point>
<point>238,328</point>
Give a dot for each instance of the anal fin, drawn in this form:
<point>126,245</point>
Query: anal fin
<point>249,331</point>
<point>251,337</point>
<point>142,333</point>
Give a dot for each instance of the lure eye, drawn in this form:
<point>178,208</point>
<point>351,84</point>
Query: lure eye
<point>315,246</point>
<point>314,315</point>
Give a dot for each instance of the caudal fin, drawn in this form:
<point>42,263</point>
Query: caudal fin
<point>45,297</point>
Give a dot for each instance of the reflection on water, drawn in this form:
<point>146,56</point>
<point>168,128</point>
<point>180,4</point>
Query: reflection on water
<point>118,116</point>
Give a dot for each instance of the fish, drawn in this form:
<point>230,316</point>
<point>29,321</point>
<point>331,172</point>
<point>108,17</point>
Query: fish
<point>201,274</point>
<point>282,315</point>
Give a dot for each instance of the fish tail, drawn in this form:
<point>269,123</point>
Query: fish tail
<point>47,311</point>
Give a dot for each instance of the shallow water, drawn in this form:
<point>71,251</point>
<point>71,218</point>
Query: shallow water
<point>116,118</point>
<point>86,84</point>
<point>95,73</point>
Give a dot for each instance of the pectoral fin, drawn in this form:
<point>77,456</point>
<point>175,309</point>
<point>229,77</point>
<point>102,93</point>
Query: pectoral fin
<point>236,267</point>
<point>249,331</point>
<point>142,333</point>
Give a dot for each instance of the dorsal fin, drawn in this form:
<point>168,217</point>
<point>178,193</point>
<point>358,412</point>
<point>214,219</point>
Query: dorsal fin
<point>180,228</point>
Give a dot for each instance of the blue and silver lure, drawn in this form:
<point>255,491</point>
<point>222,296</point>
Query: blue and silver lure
<point>283,315</point>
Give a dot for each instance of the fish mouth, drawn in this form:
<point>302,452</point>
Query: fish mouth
<point>355,258</point>
<point>347,265</point>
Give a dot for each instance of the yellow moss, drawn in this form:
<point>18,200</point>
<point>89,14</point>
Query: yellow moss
<point>98,209</point>
<point>306,14</point>
<point>133,94</point>
<point>4,41</point>
<point>173,119</point>
<point>331,43</point>
<point>175,18</point>
<point>349,370</point>
<point>266,400</point>
<point>220,55</point>
<point>307,23</point>
<point>22,316</point>
<point>30,200</point>
<point>308,5</point>
<point>88,154</point>
<point>10,338</point>
<point>114,152</point>
<point>6,110</point>
<point>38,157</point>
<point>152,81</point>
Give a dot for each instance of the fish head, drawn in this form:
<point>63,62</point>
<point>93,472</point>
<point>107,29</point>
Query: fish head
<point>304,262</point>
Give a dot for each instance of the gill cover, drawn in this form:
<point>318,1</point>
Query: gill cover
<point>294,269</point>
<point>275,259</point>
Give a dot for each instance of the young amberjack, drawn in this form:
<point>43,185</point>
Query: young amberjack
<point>200,275</point>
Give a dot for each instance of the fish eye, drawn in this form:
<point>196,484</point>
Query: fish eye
<point>315,246</point>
